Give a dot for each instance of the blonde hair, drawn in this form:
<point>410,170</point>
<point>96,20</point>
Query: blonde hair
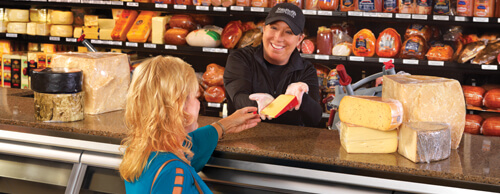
<point>155,113</point>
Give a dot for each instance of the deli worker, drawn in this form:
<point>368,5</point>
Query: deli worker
<point>254,76</point>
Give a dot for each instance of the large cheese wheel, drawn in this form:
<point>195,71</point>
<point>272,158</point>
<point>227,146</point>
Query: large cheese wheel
<point>472,123</point>
<point>61,17</point>
<point>473,95</point>
<point>388,43</point>
<point>17,15</point>
<point>491,126</point>
<point>61,30</point>
<point>203,38</point>
<point>17,27</point>
<point>363,43</point>
<point>492,99</point>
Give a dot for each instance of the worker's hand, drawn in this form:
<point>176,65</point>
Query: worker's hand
<point>263,99</point>
<point>297,89</point>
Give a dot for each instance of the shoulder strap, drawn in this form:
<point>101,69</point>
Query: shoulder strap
<point>161,168</point>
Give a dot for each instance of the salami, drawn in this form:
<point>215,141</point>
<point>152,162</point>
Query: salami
<point>182,21</point>
<point>308,45</point>
<point>491,126</point>
<point>473,95</point>
<point>492,99</point>
<point>176,36</point>
<point>473,123</point>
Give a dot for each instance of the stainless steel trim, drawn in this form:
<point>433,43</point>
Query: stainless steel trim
<point>101,160</point>
<point>42,152</point>
<point>76,178</point>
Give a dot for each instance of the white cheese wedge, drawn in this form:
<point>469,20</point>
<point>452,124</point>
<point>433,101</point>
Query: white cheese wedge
<point>424,141</point>
<point>158,29</point>
<point>357,139</point>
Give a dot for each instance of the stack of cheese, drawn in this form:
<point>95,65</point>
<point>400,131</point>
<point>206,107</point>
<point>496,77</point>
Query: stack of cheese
<point>368,124</point>
<point>15,21</point>
<point>3,23</point>
<point>61,23</point>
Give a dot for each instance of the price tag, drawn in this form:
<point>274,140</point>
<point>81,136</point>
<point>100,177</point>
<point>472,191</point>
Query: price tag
<point>221,9</point>
<point>108,42</point>
<point>131,44</point>
<point>93,41</point>
<point>132,4</point>
<point>55,38</point>
<point>441,17</point>
<point>236,8</point>
<point>435,63</point>
<point>403,16</point>
<point>10,35</point>
<point>498,20</point>
<point>459,18</point>
<point>256,9</point>
<point>355,13</point>
<point>385,15</point>
<point>70,39</point>
<point>170,47</point>
<point>182,7</point>
<point>325,13</point>
<point>370,14</point>
<point>202,8</point>
<point>159,5</point>
<point>410,61</point>
<point>149,45</point>
<point>118,43</point>
<point>309,12</point>
<point>419,17</point>
<point>322,57</point>
<point>214,50</point>
<point>489,67</point>
<point>213,105</point>
<point>481,19</point>
<point>355,58</point>
<point>383,60</point>
<point>117,3</point>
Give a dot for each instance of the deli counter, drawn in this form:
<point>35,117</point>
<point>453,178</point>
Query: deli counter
<point>82,157</point>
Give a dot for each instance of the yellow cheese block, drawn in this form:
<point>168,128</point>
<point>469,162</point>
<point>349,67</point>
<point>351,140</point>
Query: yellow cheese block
<point>82,49</point>
<point>77,32</point>
<point>424,141</point>
<point>379,158</point>
<point>106,23</point>
<point>3,26</point>
<point>91,32</point>
<point>17,15</point>
<point>61,30</point>
<point>357,139</point>
<point>91,20</point>
<point>105,34</point>
<point>61,17</point>
<point>429,99</point>
<point>280,105</point>
<point>17,27</point>
<point>158,29</point>
<point>43,29</point>
<point>31,28</point>
<point>372,112</point>
<point>2,13</point>
<point>4,47</point>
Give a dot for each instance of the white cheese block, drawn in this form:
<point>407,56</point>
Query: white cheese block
<point>31,28</point>
<point>357,139</point>
<point>429,99</point>
<point>106,78</point>
<point>61,17</point>
<point>42,29</point>
<point>106,23</point>
<point>77,32</point>
<point>105,34</point>
<point>17,27</point>
<point>158,29</point>
<point>17,15</point>
<point>371,111</point>
<point>424,141</point>
<point>61,30</point>
<point>3,26</point>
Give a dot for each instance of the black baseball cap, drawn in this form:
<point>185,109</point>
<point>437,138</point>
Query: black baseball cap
<point>290,14</point>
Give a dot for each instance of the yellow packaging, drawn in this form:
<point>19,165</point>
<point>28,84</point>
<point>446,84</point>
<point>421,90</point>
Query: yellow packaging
<point>142,27</point>
<point>5,47</point>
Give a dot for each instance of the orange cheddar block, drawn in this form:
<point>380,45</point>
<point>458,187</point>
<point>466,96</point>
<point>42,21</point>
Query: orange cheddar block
<point>141,28</point>
<point>123,25</point>
<point>280,105</point>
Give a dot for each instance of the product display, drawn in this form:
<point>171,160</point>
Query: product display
<point>473,123</point>
<point>491,126</point>
<point>473,95</point>
<point>492,99</point>
<point>357,139</point>
<point>424,141</point>
<point>372,112</point>
<point>61,17</point>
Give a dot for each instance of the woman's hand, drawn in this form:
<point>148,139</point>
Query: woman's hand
<point>241,120</point>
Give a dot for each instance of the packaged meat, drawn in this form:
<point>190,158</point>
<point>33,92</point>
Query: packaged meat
<point>183,2</point>
<point>328,4</point>
<point>419,29</point>
<point>470,51</point>
<point>442,7</point>
<point>141,29</point>
<point>489,87</point>
<point>216,3</point>
<point>473,95</point>
<point>336,29</point>
<point>347,5</point>
<point>243,3</point>
<point>390,6</point>
<point>363,43</point>
<point>203,38</point>
<point>491,126</point>
<point>440,52</point>
<point>414,47</point>
<point>213,75</point>
<point>388,43</point>
<point>308,45</point>
<point>407,6</point>
<point>182,21</point>
<point>368,5</point>
<point>342,49</point>
<point>459,46</point>
<point>484,8</point>
<point>215,94</point>
<point>214,28</point>
<point>424,7</point>
<point>123,25</point>
<point>435,33</point>
<point>196,2</point>
<point>248,26</point>
<point>251,37</point>
<point>488,54</point>
<point>488,36</point>
<point>470,38</point>
<point>322,73</point>
<point>465,7</point>
<point>492,99</point>
<point>206,2</point>
<point>298,3</point>
<point>176,36</point>
<point>324,41</point>
<point>231,34</point>
<point>472,124</point>
<point>202,19</point>
<point>309,4</point>
<point>259,3</point>
<point>272,3</point>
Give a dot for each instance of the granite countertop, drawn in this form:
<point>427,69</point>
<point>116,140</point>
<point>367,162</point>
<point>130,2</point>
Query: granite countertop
<point>476,161</point>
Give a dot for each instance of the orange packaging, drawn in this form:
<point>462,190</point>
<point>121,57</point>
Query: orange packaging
<point>407,6</point>
<point>140,30</point>
<point>347,5</point>
<point>368,5</point>
<point>310,4</point>
<point>484,8</point>
<point>206,2</point>
<point>440,52</point>
<point>298,3</point>
<point>388,43</point>
<point>328,4</point>
<point>123,25</point>
<point>243,3</point>
<point>390,6</point>
<point>183,2</point>
<point>465,7</point>
<point>363,43</point>
<point>259,3</point>
<point>196,2</point>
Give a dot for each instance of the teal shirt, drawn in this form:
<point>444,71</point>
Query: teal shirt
<point>204,142</point>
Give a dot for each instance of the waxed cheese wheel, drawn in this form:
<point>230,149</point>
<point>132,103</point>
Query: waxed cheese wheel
<point>473,95</point>
<point>203,38</point>
<point>363,43</point>
<point>473,123</point>
<point>492,99</point>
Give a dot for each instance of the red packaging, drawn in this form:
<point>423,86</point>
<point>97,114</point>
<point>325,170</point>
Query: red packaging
<point>388,43</point>
<point>491,126</point>
<point>328,4</point>
<point>473,124</point>
<point>310,4</point>
<point>363,43</point>
<point>473,95</point>
<point>492,99</point>
<point>324,41</point>
<point>215,94</point>
<point>231,34</point>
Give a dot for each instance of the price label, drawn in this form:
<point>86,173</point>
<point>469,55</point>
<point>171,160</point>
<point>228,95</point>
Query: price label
<point>221,9</point>
<point>441,17</point>
<point>132,4</point>
<point>355,58</point>
<point>120,3</point>
<point>54,38</point>
<point>355,13</point>
<point>108,42</point>
<point>309,12</point>
<point>481,19</point>
<point>70,39</point>
<point>182,7</point>
<point>383,60</point>
<point>403,16</point>
<point>213,105</point>
<point>214,50</point>
<point>489,67</point>
<point>237,8</point>
<point>10,35</point>
<point>170,47</point>
<point>419,17</point>
<point>322,57</point>
<point>435,63</point>
<point>410,61</point>
<point>385,15</point>
<point>149,45</point>
<point>93,41</point>
<point>325,13</point>
<point>202,8</point>
<point>256,9</point>
<point>163,6</point>
<point>498,20</point>
<point>460,19</point>
<point>131,44</point>
<point>370,14</point>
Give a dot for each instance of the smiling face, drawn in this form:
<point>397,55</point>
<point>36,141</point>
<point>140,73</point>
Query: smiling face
<point>279,42</point>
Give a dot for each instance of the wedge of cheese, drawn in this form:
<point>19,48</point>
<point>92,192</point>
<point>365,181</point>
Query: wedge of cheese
<point>158,29</point>
<point>357,139</point>
<point>424,141</point>
<point>280,105</point>
<point>429,99</point>
<point>372,112</point>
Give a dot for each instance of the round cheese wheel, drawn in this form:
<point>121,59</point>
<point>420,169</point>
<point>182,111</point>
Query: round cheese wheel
<point>472,123</point>
<point>473,95</point>
<point>492,99</point>
<point>491,126</point>
<point>61,30</point>
<point>61,17</point>
<point>18,15</point>
<point>57,80</point>
<point>215,94</point>
<point>203,38</point>
<point>17,27</point>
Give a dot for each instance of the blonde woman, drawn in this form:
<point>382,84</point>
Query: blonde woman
<point>164,147</point>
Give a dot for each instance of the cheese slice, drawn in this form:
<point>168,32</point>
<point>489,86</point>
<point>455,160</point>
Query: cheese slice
<point>77,32</point>
<point>280,105</point>
<point>372,112</point>
<point>429,99</point>
<point>424,141</point>
<point>158,29</point>
<point>357,139</point>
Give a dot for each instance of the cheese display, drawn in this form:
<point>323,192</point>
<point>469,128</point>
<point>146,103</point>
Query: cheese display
<point>429,99</point>
<point>140,30</point>
<point>43,29</point>
<point>91,20</point>
<point>106,78</point>
<point>158,29</point>
<point>106,23</point>
<point>17,27</point>
<point>372,112</point>
<point>91,32</point>
<point>31,28</point>
<point>280,105</point>
<point>17,15</point>
<point>123,25</point>
<point>357,139</point>
<point>424,141</point>
<point>77,32</point>
<point>61,30</point>
<point>203,38</point>
<point>105,34</point>
<point>61,17</point>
